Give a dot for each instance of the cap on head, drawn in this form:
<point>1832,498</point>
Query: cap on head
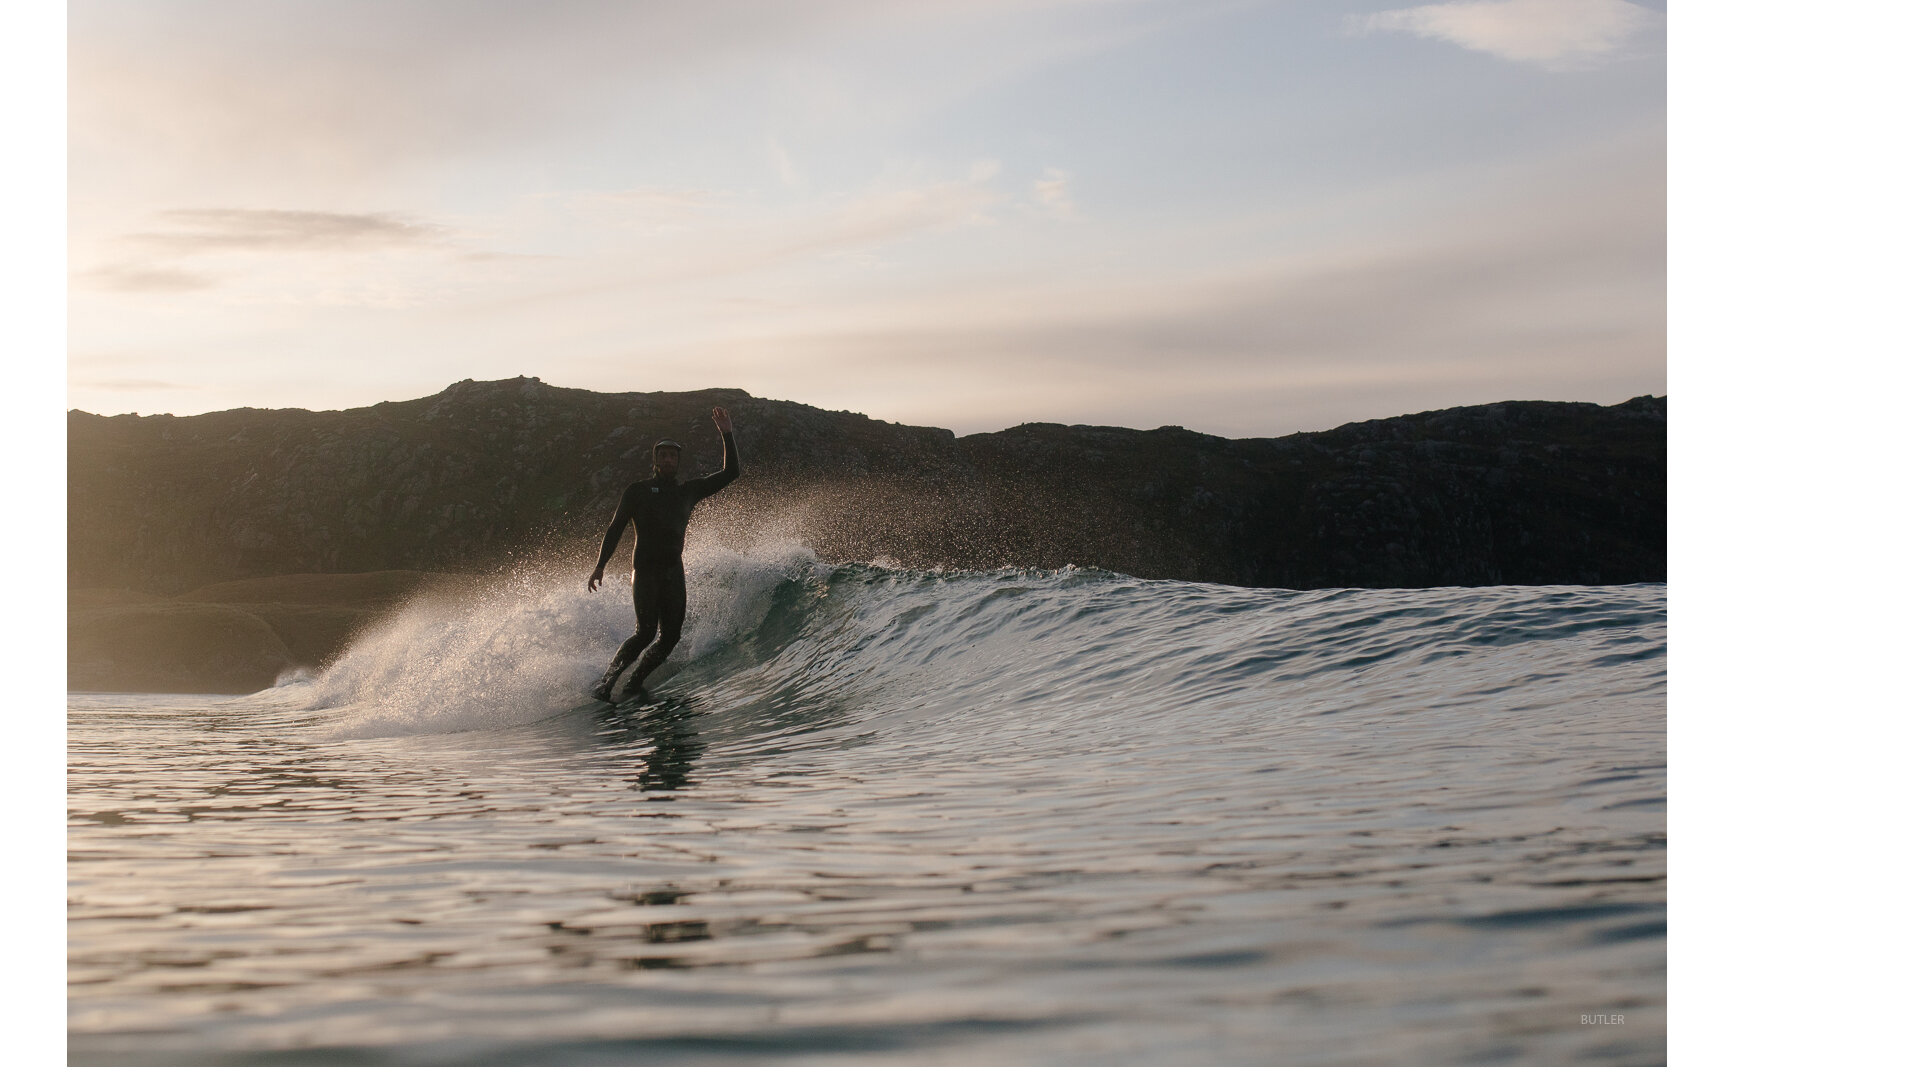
<point>666,442</point>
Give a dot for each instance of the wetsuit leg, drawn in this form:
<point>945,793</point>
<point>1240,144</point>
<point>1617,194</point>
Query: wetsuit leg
<point>673,613</point>
<point>647,609</point>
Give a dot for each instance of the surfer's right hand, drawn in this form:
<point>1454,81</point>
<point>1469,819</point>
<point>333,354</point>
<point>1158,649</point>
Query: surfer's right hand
<point>594,581</point>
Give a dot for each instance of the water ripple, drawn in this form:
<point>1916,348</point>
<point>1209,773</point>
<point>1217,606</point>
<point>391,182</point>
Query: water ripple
<point>891,817</point>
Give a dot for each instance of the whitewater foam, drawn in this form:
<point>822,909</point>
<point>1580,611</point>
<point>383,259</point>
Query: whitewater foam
<point>526,645</point>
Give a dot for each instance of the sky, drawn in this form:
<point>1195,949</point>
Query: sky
<point>1246,218</point>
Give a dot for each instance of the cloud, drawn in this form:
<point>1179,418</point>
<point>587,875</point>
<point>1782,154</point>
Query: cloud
<point>286,230</point>
<point>1551,33</point>
<point>149,279</point>
<point>1050,191</point>
<point>187,234</point>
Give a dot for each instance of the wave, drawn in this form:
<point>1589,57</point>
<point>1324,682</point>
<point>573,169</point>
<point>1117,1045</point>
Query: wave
<point>777,642</point>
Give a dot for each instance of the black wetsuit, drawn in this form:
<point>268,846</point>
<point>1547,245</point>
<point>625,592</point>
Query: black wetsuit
<point>659,508</point>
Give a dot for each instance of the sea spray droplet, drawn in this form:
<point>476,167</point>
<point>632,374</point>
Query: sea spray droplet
<point>528,644</point>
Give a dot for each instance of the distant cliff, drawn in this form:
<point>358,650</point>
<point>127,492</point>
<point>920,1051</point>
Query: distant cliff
<point>484,473</point>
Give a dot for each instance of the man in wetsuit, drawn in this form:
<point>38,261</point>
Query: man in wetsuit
<point>659,507</point>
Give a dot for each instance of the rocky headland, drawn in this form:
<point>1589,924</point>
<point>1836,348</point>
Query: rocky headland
<point>213,552</point>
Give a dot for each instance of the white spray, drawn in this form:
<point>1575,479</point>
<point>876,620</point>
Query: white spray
<point>528,645</point>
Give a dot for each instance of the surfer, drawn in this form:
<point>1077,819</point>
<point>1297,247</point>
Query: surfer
<point>659,507</point>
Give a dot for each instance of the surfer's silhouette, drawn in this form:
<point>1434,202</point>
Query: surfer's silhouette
<point>659,507</point>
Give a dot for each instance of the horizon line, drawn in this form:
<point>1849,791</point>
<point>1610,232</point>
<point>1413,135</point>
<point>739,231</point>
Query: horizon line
<point>782,401</point>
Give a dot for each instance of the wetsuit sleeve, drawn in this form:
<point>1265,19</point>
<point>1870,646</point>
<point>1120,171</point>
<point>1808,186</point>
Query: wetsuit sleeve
<point>712,482</point>
<point>621,516</point>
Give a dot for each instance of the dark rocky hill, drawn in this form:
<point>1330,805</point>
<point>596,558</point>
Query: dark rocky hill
<point>487,473</point>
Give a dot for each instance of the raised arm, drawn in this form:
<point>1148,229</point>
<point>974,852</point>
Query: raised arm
<point>621,515</point>
<point>729,460</point>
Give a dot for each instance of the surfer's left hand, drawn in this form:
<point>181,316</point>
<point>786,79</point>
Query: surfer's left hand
<point>722,421</point>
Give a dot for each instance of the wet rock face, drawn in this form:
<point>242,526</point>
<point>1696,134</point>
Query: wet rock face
<point>487,473</point>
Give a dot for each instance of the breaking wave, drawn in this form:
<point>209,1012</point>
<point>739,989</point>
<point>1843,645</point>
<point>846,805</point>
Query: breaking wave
<point>776,633</point>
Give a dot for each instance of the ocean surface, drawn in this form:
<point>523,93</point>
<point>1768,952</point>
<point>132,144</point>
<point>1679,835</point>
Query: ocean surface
<point>885,816</point>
